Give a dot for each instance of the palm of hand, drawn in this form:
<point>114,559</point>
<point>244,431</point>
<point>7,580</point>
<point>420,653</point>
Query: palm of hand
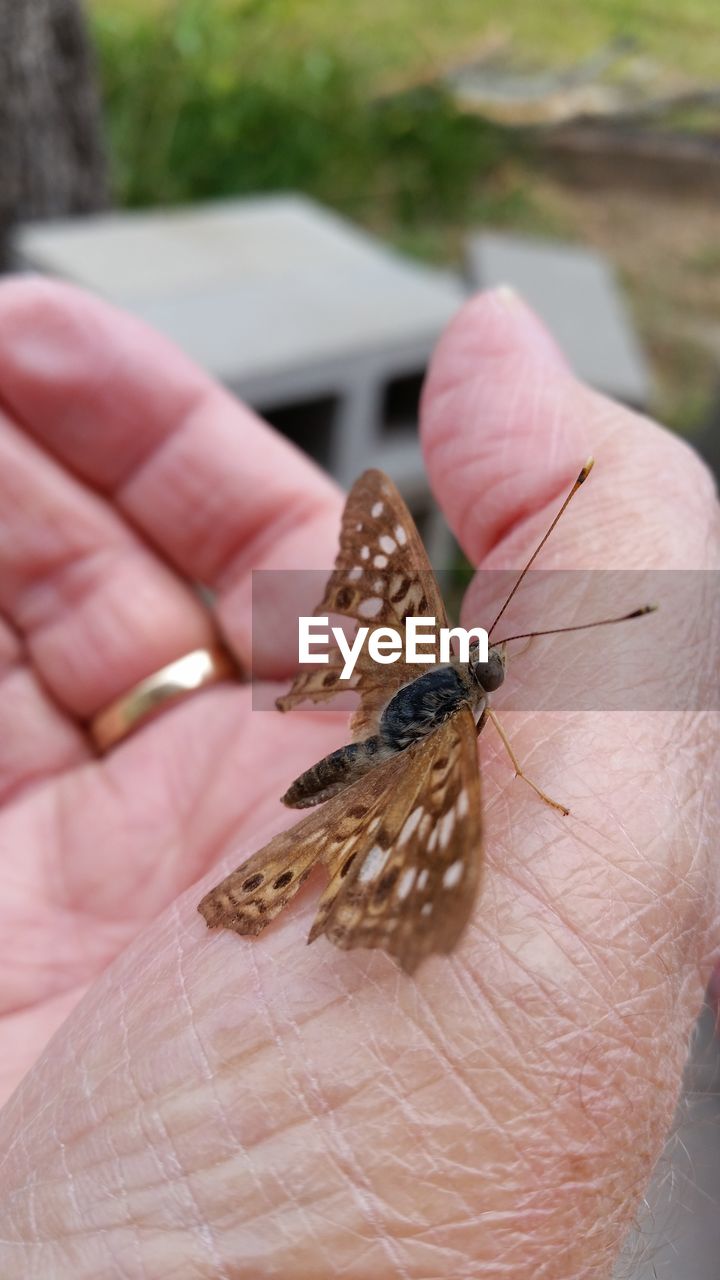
<point>92,856</point>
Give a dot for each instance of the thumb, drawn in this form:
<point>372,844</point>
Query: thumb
<point>506,427</point>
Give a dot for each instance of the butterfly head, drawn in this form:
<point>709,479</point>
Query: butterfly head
<point>490,674</point>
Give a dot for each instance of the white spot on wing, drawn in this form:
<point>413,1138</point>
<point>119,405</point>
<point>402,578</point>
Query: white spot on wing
<point>373,864</point>
<point>423,878</point>
<point>410,824</point>
<point>461,804</point>
<point>377,510</point>
<point>355,573</point>
<point>426,909</point>
<point>453,875</point>
<point>400,534</point>
<point>406,883</point>
<point>388,544</point>
<point>445,826</point>
<point>380,562</point>
<point>370,607</point>
<point>365,553</point>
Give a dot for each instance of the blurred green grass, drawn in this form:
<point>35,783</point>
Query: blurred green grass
<point>381,35</point>
<point>214,97</point>
<point>204,102</point>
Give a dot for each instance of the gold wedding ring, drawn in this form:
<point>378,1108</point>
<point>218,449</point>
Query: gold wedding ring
<point>171,684</point>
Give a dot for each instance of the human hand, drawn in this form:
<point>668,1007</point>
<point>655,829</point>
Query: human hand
<point>225,1107</point>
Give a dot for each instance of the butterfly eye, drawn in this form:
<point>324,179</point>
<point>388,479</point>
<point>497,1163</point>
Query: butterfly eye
<point>490,674</point>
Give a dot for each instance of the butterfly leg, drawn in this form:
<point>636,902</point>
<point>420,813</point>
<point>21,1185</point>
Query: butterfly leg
<point>555,804</point>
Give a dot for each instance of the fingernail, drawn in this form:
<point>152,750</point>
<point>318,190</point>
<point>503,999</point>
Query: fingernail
<point>507,296</point>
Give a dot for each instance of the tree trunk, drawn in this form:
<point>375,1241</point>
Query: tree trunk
<point>52,159</point>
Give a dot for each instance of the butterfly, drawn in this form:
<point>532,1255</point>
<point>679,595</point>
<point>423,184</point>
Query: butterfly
<point>396,819</point>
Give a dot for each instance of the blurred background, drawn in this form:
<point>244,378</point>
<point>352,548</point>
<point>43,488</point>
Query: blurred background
<point>596,124</point>
<point>301,193</point>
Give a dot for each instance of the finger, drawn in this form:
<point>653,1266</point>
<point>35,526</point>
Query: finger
<point>506,428</point>
<point>36,738</point>
<point>206,482</point>
<point>95,608</point>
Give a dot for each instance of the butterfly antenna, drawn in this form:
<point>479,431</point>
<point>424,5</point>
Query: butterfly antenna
<point>584,626</point>
<point>580,480</point>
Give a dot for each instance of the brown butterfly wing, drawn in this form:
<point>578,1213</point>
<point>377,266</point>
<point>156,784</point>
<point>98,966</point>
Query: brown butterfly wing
<point>412,889</point>
<point>402,848</point>
<point>381,576</point>
<point>254,893</point>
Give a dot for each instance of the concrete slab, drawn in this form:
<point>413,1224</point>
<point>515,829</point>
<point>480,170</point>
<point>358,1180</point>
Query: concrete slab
<point>250,288</point>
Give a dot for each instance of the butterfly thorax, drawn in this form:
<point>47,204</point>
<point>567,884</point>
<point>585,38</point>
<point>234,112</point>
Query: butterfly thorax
<point>414,711</point>
<point>420,707</point>
<point>426,702</point>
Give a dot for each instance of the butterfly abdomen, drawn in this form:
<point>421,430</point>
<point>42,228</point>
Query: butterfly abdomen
<point>335,772</point>
<point>421,706</point>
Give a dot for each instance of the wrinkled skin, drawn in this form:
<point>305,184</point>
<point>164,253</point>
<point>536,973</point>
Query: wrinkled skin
<point>195,1104</point>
